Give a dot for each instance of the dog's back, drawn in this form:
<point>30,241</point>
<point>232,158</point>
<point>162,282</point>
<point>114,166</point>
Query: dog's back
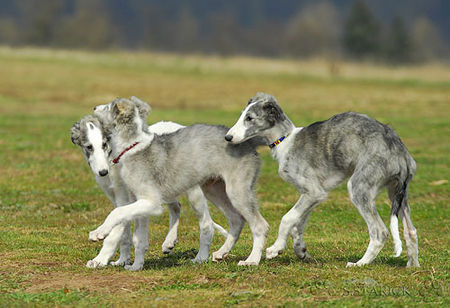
<point>192,155</point>
<point>350,138</point>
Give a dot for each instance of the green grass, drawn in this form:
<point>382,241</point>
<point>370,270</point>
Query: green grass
<point>49,200</point>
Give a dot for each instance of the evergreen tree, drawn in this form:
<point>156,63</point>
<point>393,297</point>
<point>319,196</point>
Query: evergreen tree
<point>39,20</point>
<point>361,32</point>
<point>314,30</point>
<point>399,44</point>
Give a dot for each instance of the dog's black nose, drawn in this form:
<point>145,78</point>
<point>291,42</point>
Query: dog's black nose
<point>95,108</point>
<point>228,138</point>
<point>103,172</point>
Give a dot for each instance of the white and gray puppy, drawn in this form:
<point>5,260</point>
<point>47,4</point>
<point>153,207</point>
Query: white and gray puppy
<point>317,158</point>
<point>157,168</point>
<point>89,134</point>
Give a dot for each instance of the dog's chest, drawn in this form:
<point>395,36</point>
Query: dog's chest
<point>288,164</point>
<point>287,170</point>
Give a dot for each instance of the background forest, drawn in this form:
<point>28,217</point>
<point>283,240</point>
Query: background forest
<point>393,31</point>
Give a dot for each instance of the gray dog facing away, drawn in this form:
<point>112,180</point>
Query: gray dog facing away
<point>157,168</point>
<point>317,158</point>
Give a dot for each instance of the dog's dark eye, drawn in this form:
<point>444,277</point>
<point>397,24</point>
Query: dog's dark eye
<point>248,118</point>
<point>89,147</point>
<point>104,145</point>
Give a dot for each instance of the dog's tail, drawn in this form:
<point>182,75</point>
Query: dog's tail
<point>220,229</point>
<point>400,203</point>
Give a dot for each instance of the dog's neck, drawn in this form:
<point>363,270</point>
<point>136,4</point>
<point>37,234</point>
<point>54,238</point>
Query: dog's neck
<point>122,138</point>
<point>281,129</point>
<point>284,128</point>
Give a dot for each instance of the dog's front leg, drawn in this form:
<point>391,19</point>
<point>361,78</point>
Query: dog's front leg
<point>108,249</point>
<point>297,216</point>
<point>114,190</point>
<point>125,247</point>
<point>122,196</point>
<point>140,241</point>
<point>139,209</point>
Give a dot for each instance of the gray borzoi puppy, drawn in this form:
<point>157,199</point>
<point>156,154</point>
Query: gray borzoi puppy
<point>157,168</point>
<point>89,134</point>
<point>319,157</point>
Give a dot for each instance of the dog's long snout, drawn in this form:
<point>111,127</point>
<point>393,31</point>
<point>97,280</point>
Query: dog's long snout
<point>228,138</point>
<point>103,172</point>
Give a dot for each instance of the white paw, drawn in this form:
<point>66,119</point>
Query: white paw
<point>121,262</point>
<point>134,267</point>
<point>248,263</point>
<point>397,251</point>
<point>218,256</point>
<point>97,235</point>
<point>168,245</point>
<point>95,264</point>
<point>351,264</point>
<point>272,252</point>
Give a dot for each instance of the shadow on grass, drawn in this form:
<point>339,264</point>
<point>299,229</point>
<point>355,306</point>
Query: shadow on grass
<point>379,260</point>
<point>173,259</point>
<point>313,261</point>
<point>181,258</point>
<point>285,260</point>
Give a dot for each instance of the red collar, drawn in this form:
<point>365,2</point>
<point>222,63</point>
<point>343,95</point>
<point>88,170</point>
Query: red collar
<point>116,160</point>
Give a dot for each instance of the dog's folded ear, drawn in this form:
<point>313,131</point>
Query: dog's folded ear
<point>262,96</point>
<point>143,108</point>
<point>123,107</point>
<point>273,111</point>
<point>76,133</point>
<point>256,97</point>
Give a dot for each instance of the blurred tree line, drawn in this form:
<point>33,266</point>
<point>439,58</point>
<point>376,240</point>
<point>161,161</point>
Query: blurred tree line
<point>284,28</point>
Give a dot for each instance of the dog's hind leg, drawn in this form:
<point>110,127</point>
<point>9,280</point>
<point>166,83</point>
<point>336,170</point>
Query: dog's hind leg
<point>215,192</point>
<point>363,194</point>
<point>205,223</point>
<point>391,188</point>
<point>244,200</point>
<point>409,231</point>
<point>294,221</point>
<point>174,220</point>
<point>410,234</point>
<point>140,241</point>
<point>297,236</point>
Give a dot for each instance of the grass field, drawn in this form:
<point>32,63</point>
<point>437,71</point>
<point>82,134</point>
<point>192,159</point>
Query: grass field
<point>49,200</point>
